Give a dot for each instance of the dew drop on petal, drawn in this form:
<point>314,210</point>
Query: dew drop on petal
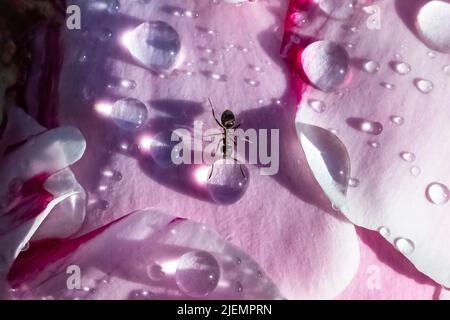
<point>366,126</point>
<point>433,24</point>
<point>164,150</point>
<point>404,245</point>
<point>408,156</point>
<point>129,114</point>
<point>398,120</point>
<point>424,86</point>
<point>384,232</point>
<point>325,64</point>
<point>228,182</point>
<point>338,9</point>
<point>371,66</point>
<point>317,105</point>
<point>437,193</point>
<point>239,287</point>
<point>415,171</point>
<point>374,144</point>
<point>388,86</point>
<point>446,69</point>
<point>402,68</point>
<point>197,273</point>
<point>353,182</point>
<point>156,45</point>
<point>155,272</point>
<point>298,18</point>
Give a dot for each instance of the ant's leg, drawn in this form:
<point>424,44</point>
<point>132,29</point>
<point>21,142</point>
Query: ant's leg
<point>214,115</point>
<point>237,126</point>
<point>210,174</point>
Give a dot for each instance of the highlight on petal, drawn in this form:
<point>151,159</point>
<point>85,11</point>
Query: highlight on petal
<point>144,255</point>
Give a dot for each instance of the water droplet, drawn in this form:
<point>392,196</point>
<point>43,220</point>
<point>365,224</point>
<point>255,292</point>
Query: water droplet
<point>404,245</point>
<point>253,83</point>
<point>371,66</point>
<point>129,114</point>
<point>105,34</point>
<point>408,156</point>
<point>388,86</point>
<point>228,181</point>
<point>164,150</point>
<point>446,69</point>
<point>238,260</point>
<point>367,126</point>
<point>384,232</point>
<point>154,44</point>
<point>155,272</point>
<point>338,9</point>
<point>113,6</point>
<point>415,171</point>
<point>437,193</point>
<point>128,84</point>
<point>325,64</point>
<point>374,144</point>
<point>197,273</point>
<point>431,54</point>
<point>317,105</point>
<point>259,274</point>
<point>397,120</point>
<point>433,24</point>
<point>26,247</point>
<point>402,68</point>
<point>103,205</point>
<point>424,86</point>
<point>239,287</point>
<point>353,182</point>
<point>298,18</point>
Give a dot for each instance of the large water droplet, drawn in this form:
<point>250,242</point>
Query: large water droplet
<point>371,66</point>
<point>155,272</point>
<point>129,114</point>
<point>404,245</point>
<point>367,126</point>
<point>408,156</point>
<point>433,24</point>
<point>328,159</point>
<point>437,193</point>
<point>325,64</point>
<point>402,68</point>
<point>228,182</point>
<point>424,86</point>
<point>155,44</point>
<point>338,9</point>
<point>353,182</point>
<point>197,274</point>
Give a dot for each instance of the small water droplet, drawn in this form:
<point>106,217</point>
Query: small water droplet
<point>415,171</point>
<point>317,105</point>
<point>338,9</point>
<point>298,18</point>
<point>437,193</point>
<point>129,114</point>
<point>366,126</point>
<point>374,144</point>
<point>404,245</point>
<point>103,205</point>
<point>402,68</point>
<point>424,86</point>
<point>446,69</point>
<point>239,287</point>
<point>325,64</point>
<point>238,260</point>
<point>397,120</point>
<point>384,232</point>
<point>388,86</point>
<point>128,84</point>
<point>371,66</point>
<point>353,182</point>
<point>155,272</point>
<point>259,274</point>
<point>431,54</point>
<point>26,247</point>
<point>253,83</point>
<point>408,156</point>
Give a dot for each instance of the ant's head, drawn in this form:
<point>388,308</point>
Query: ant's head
<point>228,119</point>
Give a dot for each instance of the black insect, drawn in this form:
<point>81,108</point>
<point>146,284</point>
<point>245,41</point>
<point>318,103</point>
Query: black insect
<point>227,122</point>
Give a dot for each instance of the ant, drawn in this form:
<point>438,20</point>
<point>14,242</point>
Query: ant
<point>227,122</point>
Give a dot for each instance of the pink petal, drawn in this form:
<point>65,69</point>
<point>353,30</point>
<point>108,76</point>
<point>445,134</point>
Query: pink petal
<point>389,193</point>
<point>308,252</point>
